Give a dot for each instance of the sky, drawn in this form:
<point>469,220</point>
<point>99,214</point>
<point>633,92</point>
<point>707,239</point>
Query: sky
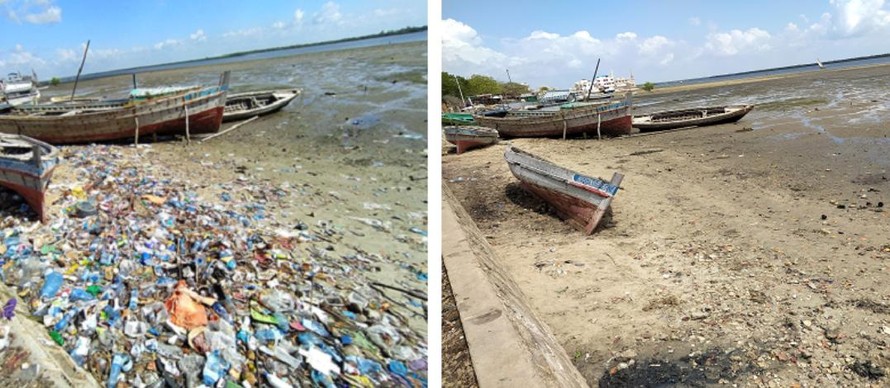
<point>556,43</point>
<point>48,36</point>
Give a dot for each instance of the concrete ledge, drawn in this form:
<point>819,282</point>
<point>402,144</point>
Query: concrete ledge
<point>56,367</point>
<point>509,345</point>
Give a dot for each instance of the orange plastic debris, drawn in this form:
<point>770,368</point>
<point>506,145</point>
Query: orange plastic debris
<point>185,311</point>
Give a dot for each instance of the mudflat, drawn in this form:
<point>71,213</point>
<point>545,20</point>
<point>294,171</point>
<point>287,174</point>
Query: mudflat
<point>747,253</point>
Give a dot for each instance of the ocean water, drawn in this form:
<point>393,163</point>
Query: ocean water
<point>832,65</point>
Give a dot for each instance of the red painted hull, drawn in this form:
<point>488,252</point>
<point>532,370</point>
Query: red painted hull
<point>33,198</point>
<point>203,110</point>
<point>574,211</point>
<point>464,145</point>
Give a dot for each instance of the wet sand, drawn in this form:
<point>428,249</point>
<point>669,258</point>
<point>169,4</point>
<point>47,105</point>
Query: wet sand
<point>752,253</point>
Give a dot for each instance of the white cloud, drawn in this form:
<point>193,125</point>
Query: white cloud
<point>695,21</point>
<point>198,36</point>
<point>736,41</point>
<point>329,14</point>
<point>255,31</point>
<point>856,17</point>
<point>298,17</point>
<point>380,13</point>
<point>626,36</point>
<point>279,25</point>
<point>19,56</point>
<point>66,55</point>
<point>654,45</point>
<point>51,14</point>
<point>167,43</point>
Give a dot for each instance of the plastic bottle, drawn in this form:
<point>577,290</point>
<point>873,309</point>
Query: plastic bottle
<point>51,285</point>
<point>119,363</point>
<point>215,368</point>
<point>275,381</point>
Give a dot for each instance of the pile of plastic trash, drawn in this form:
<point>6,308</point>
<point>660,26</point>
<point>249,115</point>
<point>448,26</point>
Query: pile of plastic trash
<point>142,282</point>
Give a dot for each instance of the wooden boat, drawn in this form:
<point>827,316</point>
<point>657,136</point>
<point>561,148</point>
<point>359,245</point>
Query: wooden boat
<point>457,119</point>
<point>193,112</point>
<point>246,105</point>
<point>611,119</point>
<point>26,166</point>
<point>19,89</point>
<point>471,136</point>
<point>695,117</point>
<point>580,200</point>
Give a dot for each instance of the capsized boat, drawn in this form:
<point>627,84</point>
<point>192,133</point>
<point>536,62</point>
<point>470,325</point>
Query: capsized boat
<point>242,106</point>
<point>695,117</point>
<point>26,166</point>
<point>609,119</point>
<point>579,199</point>
<point>470,136</point>
<point>196,111</point>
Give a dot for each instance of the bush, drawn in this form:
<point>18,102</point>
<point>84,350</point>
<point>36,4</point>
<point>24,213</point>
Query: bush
<point>55,81</point>
<point>648,86</point>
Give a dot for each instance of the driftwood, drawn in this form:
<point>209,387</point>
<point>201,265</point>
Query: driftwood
<point>230,129</point>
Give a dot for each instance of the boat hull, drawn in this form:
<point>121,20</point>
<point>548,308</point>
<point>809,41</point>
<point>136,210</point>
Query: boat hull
<point>466,138</point>
<point>579,200</point>
<point>27,176</point>
<point>612,119</point>
<point>697,117</point>
<point>244,105</point>
<point>202,111</point>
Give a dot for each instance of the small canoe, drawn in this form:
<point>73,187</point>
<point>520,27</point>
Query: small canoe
<point>696,117</point>
<point>246,105</point>
<point>457,119</point>
<point>579,199</point>
<point>467,137</point>
<point>26,166</point>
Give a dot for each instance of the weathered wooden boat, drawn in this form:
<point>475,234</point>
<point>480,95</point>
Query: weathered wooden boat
<point>612,119</point>
<point>19,89</point>
<point>580,200</point>
<point>695,117</point>
<point>470,136</point>
<point>246,105</point>
<point>193,112</point>
<point>453,118</point>
<point>26,166</point>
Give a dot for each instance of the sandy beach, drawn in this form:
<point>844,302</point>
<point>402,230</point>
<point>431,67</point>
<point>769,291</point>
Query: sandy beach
<point>345,163</point>
<point>752,253</point>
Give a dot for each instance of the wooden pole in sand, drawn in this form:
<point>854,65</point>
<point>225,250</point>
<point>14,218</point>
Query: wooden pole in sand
<point>82,61</point>
<point>598,120</point>
<point>188,138</point>
<point>593,79</point>
<point>137,131</point>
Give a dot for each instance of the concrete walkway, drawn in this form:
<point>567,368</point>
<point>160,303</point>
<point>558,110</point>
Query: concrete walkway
<point>509,345</point>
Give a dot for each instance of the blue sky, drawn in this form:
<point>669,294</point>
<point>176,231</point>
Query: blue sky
<point>48,36</point>
<point>555,43</point>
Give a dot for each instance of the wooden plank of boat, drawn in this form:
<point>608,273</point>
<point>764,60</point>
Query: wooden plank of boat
<point>201,109</point>
<point>695,117</point>
<point>457,119</point>
<point>611,119</point>
<point>467,137</point>
<point>579,199</point>
<point>26,166</point>
<point>246,105</point>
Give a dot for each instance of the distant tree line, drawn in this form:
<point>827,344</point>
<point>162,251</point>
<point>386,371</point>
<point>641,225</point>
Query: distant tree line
<point>477,85</point>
